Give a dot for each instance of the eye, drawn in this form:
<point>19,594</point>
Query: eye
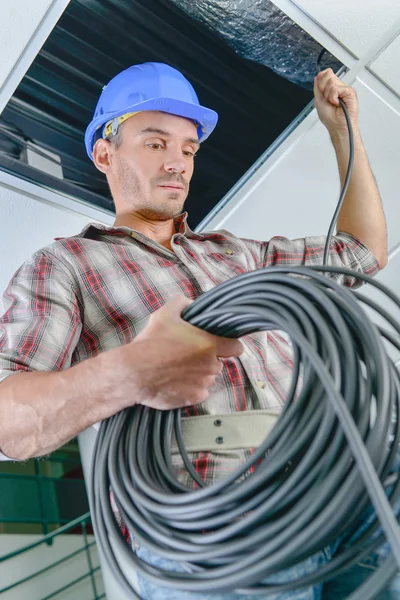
<point>155,146</point>
<point>189,154</point>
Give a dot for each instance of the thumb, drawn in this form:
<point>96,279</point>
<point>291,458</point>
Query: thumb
<point>175,306</point>
<point>228,347</point>
<point>318,95</point>
<point>225,347</point>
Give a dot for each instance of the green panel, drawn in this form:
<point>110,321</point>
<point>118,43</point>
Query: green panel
<point>71,498</point>
<point>42,492</point>
<point>21,499</point>
<point>41,499</point>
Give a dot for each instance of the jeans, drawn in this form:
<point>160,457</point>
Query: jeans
<point>149,591</point>
<point>337,589</point>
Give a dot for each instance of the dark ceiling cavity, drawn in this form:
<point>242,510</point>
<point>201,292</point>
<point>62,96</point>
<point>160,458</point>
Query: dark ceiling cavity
<point>92,42</point>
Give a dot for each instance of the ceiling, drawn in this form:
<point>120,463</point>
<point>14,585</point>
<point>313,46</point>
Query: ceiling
<point>92,42</point>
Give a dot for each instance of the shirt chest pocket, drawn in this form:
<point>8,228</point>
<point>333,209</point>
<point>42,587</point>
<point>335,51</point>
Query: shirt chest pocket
<point>227,263</point>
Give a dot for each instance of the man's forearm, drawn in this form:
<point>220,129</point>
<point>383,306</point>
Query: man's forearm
<point>41,411</point>
<point>362,213</point>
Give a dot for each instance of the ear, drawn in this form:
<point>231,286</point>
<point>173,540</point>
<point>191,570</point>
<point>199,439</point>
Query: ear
<point>102,155</point>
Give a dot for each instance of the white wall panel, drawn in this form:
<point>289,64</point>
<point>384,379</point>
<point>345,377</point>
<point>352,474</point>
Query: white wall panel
<point>357,24</point>
<point>27,224</point>
<point>380,127</point>
<point>387,66</point>
<point>114,591</point>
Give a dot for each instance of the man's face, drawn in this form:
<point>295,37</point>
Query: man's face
<point>151,169</point>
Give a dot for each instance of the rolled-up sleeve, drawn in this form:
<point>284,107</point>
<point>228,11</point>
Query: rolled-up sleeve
<point>345,251</point>
<point>41,324</point>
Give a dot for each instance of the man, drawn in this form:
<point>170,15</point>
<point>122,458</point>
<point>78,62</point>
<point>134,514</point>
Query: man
<point>92,322</point>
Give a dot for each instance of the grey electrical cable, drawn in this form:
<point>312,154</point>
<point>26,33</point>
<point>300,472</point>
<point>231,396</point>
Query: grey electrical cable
<point>348,173</point>
<point>345,184</point>
<point>310,481</point>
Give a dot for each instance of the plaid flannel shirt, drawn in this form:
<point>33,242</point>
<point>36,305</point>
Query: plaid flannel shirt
<point>95,291</point>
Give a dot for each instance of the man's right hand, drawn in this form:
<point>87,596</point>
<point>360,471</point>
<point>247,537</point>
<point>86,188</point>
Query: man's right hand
<point>180,362</point>
<point>171,364</point>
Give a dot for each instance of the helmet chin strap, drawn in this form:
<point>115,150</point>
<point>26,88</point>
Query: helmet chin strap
<point>111,127</point>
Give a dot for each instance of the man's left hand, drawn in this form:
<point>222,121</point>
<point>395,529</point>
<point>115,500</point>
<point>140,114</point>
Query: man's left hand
<point>328,88</point>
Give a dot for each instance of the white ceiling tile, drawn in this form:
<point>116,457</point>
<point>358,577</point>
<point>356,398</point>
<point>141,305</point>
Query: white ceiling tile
<point>387,66</point>
<point>357,24</point>
<point>19,20</point>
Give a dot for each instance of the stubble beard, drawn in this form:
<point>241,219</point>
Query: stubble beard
<point>134,195</point>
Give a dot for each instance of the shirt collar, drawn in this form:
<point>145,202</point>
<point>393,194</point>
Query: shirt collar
<point>180,223</point>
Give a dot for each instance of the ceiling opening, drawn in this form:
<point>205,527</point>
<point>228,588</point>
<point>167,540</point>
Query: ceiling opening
<point>42,127</point>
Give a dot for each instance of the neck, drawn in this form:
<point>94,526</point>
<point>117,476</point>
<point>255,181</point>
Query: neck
<point>158,231</point>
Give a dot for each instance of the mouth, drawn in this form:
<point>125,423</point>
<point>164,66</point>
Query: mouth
<point>172,186</point>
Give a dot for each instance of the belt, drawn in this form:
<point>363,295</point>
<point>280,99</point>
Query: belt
<point>226,432</point>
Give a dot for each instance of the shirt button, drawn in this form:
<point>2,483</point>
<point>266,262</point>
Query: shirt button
<point>134,235</point>
<point>229,251</point>
<point>261,384</point>
<point>136,546</point>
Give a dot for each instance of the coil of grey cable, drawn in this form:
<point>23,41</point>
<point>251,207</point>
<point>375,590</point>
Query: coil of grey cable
<point>313,475</point>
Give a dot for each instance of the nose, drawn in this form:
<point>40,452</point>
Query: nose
<point>174,161</point>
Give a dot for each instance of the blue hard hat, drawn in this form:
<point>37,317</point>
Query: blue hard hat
<point>150,86</point>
